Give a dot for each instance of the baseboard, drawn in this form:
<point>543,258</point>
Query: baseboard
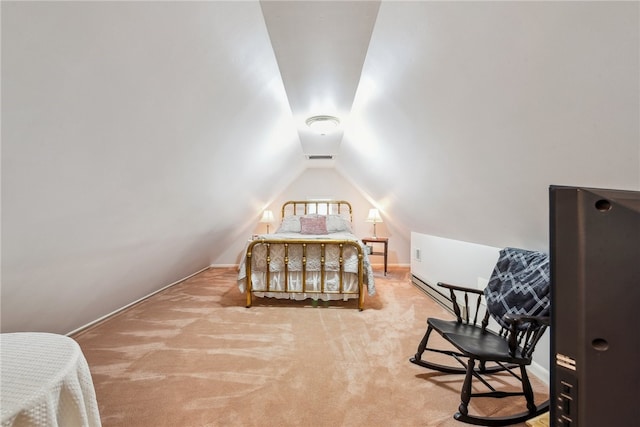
<point>113,313</point>
<point>429,289</point>
<point>540,372</point>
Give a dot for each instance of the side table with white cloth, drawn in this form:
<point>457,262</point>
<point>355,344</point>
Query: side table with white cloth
<point>45,381</point>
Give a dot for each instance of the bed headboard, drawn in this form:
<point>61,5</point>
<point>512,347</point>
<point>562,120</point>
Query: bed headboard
<point>322,207</point>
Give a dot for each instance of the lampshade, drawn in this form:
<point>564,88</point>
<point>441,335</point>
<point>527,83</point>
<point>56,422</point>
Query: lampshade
<point>374,216</point>
<point>267,216</point>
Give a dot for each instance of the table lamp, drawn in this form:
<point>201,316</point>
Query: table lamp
<point>374,217</point>
<point>267,217</point>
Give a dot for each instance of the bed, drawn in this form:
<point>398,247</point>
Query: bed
<point>312,255</point>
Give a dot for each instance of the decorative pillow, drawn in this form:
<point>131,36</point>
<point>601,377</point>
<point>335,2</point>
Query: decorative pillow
<point>313,225</point>
<point>336,223</point>
<point>290,224</point>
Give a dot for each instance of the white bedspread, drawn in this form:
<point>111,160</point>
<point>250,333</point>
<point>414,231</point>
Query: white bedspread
<point>332,263</point>
<point>45,382</point>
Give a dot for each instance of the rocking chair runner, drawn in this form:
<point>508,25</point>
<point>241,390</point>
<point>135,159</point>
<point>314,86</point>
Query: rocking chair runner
<point>518,298</point>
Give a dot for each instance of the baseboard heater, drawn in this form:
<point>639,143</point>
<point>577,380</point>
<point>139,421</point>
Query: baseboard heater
<point>437,295</point>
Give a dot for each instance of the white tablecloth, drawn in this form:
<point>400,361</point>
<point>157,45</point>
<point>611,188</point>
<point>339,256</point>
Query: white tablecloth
<point>45,381</point>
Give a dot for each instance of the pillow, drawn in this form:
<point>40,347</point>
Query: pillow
<point>290,224</point>
<point>336,223</point>
<point>313,225</point>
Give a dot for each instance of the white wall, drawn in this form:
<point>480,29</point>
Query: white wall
<point>328,183</point>
<point>468,111</point>
<point>136,136</point>
<point>452,261</point>
<point>141,140</point>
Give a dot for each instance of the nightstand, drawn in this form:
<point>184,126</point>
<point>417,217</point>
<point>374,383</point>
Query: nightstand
<point>378,240</point>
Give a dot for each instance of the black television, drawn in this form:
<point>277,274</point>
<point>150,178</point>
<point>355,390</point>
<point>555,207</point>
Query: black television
<point>595,324</point>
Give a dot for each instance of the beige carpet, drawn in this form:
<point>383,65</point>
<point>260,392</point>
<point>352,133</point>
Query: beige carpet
<point>193,355</point>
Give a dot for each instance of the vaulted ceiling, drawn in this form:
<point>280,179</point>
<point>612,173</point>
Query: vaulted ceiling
<point>320,48</point>
<point>141,140</point>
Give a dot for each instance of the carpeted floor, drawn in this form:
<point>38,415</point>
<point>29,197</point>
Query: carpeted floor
<point>193,355</point>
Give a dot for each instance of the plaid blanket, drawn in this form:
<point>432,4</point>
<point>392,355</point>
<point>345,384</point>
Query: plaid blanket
<point>519,284</point>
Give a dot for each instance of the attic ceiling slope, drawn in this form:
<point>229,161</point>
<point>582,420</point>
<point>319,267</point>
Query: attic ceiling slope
<point>127,161</point>
<point>475,108</point>
<point>320,47</point>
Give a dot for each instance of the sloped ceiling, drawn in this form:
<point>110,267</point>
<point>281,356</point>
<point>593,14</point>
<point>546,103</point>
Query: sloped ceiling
<point>320,47</point>
<point>141,140</point>
<point>466,112</point>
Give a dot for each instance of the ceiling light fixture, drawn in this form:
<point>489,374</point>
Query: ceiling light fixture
<point>323,124</point>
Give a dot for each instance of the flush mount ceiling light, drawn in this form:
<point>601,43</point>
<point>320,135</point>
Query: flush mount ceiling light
<point>323,124</point>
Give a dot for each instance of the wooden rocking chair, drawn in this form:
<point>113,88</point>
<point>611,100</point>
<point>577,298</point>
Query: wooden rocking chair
<point>518,298</point>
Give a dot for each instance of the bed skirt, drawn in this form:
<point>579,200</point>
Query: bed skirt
<point>313,288</point>
<point>318,268</point>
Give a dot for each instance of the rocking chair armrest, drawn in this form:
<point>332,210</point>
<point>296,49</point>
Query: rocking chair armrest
<point>460,288</point>
<point>456,306</point>
<point>537,326</point>
<point>518,319</point>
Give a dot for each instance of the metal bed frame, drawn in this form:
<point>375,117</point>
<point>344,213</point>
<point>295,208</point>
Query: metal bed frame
<point>305,207</point>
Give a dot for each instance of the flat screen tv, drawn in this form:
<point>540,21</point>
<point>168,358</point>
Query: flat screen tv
<point>595,325</point>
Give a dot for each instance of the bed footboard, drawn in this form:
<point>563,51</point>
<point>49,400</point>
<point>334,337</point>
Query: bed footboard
<point>311,267</point>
